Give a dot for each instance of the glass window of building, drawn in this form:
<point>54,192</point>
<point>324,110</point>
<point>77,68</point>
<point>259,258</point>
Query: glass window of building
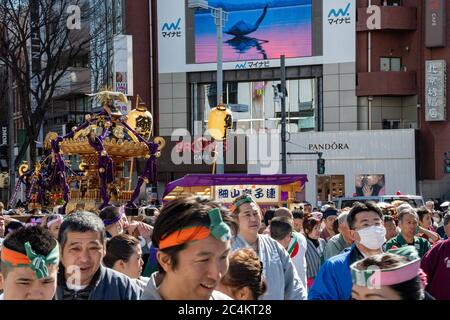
<point>392,3</point>
<point>329,187</point>
<point>256,105</point>
<point>107,22</point>
<point>391,124</point>
<point>390,64</point>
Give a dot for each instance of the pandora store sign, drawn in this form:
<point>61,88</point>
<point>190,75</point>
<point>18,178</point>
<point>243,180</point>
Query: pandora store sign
<point>328,146</point>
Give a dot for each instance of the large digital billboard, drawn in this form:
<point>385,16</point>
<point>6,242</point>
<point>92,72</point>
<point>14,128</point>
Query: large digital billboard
<point>257,33</point>
<point>255,30</point>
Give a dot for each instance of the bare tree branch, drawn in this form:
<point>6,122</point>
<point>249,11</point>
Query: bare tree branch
<point>39,28</point>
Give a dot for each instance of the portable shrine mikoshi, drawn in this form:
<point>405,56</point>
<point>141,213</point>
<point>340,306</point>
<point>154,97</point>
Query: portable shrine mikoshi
<point>105,143</point>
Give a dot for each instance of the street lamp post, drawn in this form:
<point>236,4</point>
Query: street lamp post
<point>220,17</point>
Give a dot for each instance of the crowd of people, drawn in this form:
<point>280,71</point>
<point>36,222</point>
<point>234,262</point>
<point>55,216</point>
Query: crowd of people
<point>198,249</point>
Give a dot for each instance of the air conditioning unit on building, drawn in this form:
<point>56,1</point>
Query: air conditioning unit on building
<point>238,107</point>
<point>303,106</point>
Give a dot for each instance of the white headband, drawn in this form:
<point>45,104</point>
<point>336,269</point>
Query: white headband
<point>59,218</point>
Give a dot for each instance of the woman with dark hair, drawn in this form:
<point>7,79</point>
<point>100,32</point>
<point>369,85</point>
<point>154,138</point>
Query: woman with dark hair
<point>389,276</point>
<point>315,247</point>
<point>427,230</point>
<point>114,220</point>
<point>116,223</point>
<point>265,223</point>
<point>124,254</point>
<point>244,280</point>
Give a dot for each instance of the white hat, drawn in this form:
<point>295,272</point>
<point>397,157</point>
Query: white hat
<point>445,204</point>
<point>383,205</point>
<point>317,215</point>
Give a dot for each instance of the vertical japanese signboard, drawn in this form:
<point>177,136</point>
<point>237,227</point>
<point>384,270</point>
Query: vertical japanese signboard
<point>123,69</point>
<point>123,64</point>
<point>435,90</point>
<point>435,25</point>
<point>261,193</point>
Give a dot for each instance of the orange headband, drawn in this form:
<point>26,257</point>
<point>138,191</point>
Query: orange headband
<point>14,258</point>
<point>38,263</point>
<point>184,235</point>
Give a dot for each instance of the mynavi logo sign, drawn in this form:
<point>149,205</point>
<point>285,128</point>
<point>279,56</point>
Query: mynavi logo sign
<point>252,64</point>
<point>172,29</point>
<point>241,65</point>
<point>340,15</point>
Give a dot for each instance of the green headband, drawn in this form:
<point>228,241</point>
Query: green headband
<point>240,202</point>
<point>37,263</point>
<point>219,229</point>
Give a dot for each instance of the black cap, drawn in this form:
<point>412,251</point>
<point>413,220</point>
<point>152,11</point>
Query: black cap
<point>330,212</point>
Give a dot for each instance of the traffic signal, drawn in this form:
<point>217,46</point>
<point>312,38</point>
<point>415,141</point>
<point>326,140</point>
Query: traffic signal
<point>447,162</point>
<point>280,90</point>
<point>320,166</point>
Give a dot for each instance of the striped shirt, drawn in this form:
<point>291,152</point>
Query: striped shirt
<point>314,257</point>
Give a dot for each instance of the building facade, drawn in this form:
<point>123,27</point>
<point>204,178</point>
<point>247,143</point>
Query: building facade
<point>354,78</point>
<point>318,39</point>
<point>401,66</point>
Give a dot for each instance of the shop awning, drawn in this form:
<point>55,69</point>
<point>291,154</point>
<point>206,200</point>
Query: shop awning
<point>203,180</point>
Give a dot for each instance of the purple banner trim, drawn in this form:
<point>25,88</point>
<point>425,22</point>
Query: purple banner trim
<point>204,180</point>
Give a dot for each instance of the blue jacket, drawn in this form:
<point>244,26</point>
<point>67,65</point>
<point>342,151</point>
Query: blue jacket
<point>334,280</point>
<point>107,285</point>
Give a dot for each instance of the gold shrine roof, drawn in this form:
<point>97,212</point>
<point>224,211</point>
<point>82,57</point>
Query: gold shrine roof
<point>114,147</point>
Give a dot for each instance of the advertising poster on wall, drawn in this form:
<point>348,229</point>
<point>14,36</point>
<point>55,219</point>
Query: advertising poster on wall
<point>123,64</point>
<point>256,30</point>
<point>367,185</point>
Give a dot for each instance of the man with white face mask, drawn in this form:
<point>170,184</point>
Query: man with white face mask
<point>334,280</point>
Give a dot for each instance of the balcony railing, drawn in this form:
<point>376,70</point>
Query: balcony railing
<point>385,83</point>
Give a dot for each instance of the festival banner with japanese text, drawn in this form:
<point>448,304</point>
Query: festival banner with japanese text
<point>261,193</point>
